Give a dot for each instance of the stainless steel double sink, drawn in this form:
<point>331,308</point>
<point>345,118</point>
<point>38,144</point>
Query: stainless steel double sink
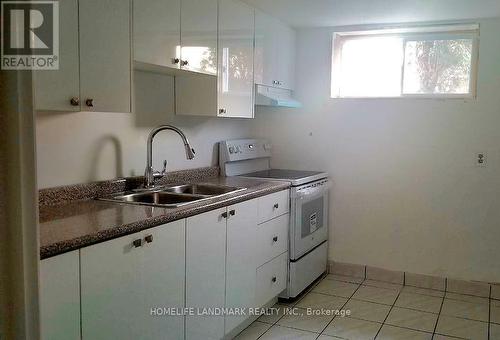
<point>173,196</point>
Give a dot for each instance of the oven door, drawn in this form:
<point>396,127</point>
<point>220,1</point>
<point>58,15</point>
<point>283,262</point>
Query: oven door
<point>309,217</point>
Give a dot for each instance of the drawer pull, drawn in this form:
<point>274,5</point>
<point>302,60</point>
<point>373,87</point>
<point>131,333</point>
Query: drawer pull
<point>274,279</point>
<point>275,239</point>
<point>149,238</point>
<point>232,212</point>
<point>137,243</point>
<point>89,102</point>
<point>74,101</point>
<point>224,215</point>
<point>276,206</point>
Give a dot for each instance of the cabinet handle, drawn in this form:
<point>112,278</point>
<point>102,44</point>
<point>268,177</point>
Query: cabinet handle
<point>75,101</point>
<point>232,212</point>
<point>149,238</point>
<point>276,206</point>
<point>275,239</point>
<point>221,111</point>
<point>89,102</point>
<point>137,243</point>
<point>175,60</point>
<point>274,279</point>
<point>184,62</point>
<point>224,215</point>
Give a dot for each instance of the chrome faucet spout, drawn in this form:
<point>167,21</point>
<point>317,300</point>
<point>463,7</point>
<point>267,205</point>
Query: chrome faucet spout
<point>150,173</point>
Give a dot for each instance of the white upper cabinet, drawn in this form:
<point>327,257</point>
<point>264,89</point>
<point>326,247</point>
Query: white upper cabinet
<point>95,59</point>
<point>274,52</point>
<point>59,90</point>
<point>178,34</point>
<point>105,55</point>
<point>199,36</point>
<point>157,32</point>
<point>236,50</point>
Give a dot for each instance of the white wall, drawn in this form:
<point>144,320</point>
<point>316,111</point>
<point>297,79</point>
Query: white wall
<point>88,146</point>
<point>406,193</point>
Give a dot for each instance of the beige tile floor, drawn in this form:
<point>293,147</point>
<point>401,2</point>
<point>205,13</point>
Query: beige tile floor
<point>379,310</point>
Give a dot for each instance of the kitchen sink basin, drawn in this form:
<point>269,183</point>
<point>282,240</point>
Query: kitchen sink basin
<point>202,189</point>
<point>173,196</point>
<point>159,198</point>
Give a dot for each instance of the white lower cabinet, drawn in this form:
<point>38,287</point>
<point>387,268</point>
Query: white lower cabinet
<point>123,288</point>
<point>60,297</point>
<point>271,279</point>
<point>205,273</point>
<point>272,238</point>
<point>124,280</point>
<point>241,261</point>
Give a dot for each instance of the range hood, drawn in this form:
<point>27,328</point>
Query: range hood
<point>273,96</point>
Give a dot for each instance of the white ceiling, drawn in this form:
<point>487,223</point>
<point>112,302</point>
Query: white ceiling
<point>307,13</point>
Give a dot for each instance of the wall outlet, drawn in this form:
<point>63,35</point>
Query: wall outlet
<point>481,159</point>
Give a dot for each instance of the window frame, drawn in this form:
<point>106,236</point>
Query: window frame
<point>450,31</point>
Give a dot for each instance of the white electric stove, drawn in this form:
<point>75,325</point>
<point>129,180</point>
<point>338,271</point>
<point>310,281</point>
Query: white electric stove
<point>308,232</point>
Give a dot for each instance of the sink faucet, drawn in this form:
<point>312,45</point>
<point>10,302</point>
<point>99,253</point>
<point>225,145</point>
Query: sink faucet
<point>149,176</point>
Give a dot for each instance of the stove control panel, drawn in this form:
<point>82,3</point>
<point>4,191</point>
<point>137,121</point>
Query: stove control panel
<point>242,149</point>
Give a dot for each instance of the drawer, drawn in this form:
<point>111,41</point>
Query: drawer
<point>271,279</point>
<point>272,238</point>
<point>273,205</point>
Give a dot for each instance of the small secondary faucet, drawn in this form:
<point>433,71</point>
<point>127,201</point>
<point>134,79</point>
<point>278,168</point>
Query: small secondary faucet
<point>149,175</point>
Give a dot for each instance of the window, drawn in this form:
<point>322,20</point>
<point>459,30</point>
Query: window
<point>406,62</point>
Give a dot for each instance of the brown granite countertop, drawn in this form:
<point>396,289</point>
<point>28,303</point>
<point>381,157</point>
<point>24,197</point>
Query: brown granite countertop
<point>74,224</point>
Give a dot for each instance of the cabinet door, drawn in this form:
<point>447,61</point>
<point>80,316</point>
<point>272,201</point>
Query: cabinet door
<point>241,253</point>
<point>157,25</point>
<point>274,52</point>
<point>60,297</point>
<point>205,273</point>
<point>236,41</point>
<point>285,64</point>
<point>53,90</point>
<point>199,36</point>
<point>111,291</point>
<point>265,51</point>
<point>105,55</point>
<point>162,275</point>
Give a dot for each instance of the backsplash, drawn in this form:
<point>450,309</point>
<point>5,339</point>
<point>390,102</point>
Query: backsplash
<point>85,147</point>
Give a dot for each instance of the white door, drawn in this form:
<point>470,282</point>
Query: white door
<point>241,267</point>
<point>157,25</point>
<point>105,55</point>
<point>274,52</point>
<point>60,297</point>
<point>111,291</point>
<point>265,51</point>
<point>55,89</point>
<point>205,273</point>
<point>285,54</point>
<point>236,41</point>
<point>199,36</point>
<point>162,275</point>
